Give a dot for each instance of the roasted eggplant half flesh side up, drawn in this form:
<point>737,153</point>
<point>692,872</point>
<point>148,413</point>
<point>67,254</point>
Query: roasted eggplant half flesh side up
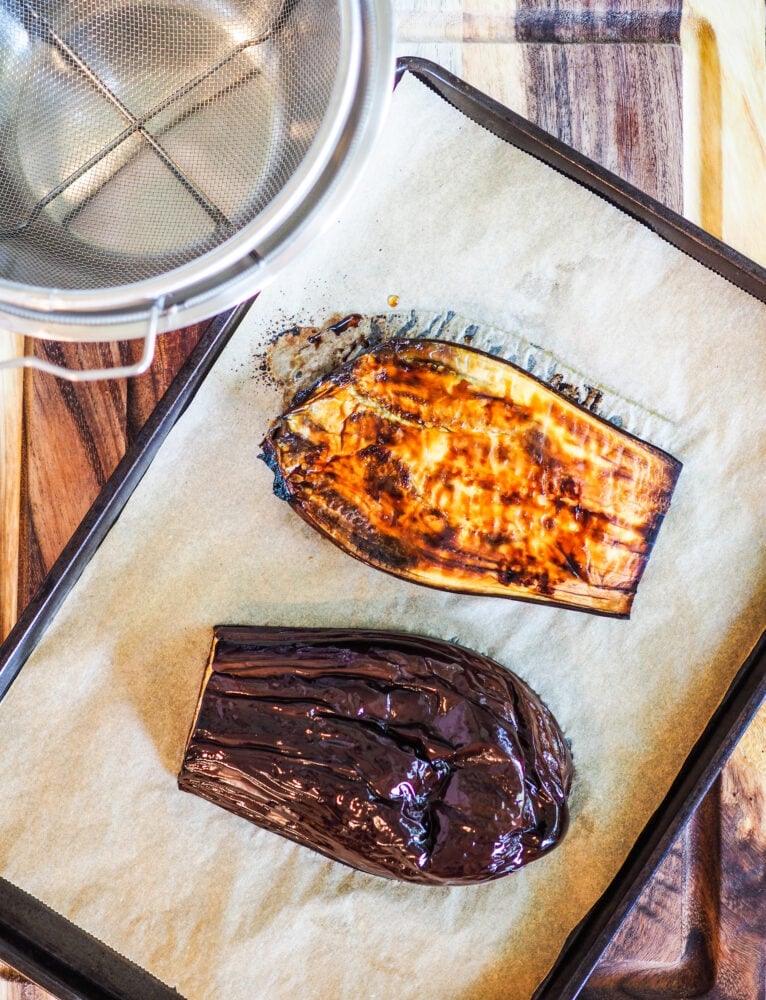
<point>449,467</point>
<point>402,756</point>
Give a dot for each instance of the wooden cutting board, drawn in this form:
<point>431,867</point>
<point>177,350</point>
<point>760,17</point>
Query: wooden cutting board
<point>671,96</point>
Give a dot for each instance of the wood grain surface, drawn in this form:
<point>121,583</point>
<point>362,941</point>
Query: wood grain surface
<point>587,21</point>
<point>11,409</point>
<point>673,99</point>
<point>76,433</point>
<point>619,104</point>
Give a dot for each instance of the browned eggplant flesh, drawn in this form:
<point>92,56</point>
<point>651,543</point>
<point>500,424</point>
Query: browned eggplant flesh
<point>399,755</point>
<point>455,469</point>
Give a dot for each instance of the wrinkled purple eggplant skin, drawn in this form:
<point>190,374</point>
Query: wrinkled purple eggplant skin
<point>402,756</point>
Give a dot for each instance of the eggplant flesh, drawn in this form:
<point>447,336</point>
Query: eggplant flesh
<point>449,467</point>
<point>398,755</point>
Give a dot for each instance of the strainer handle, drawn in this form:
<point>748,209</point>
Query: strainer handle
<point>94,374</point>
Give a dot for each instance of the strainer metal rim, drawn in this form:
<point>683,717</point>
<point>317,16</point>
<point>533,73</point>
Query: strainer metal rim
<point>131,303</point>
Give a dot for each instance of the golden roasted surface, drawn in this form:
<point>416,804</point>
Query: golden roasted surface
<point>454,469</point>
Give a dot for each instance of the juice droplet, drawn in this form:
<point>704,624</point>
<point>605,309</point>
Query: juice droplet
<point>393,300</point>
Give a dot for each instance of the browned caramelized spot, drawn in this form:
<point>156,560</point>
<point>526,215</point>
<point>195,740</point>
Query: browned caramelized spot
<point>455,469</point>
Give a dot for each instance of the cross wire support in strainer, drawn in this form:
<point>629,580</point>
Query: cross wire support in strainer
<point>173,151</point>
<point>95,374</point>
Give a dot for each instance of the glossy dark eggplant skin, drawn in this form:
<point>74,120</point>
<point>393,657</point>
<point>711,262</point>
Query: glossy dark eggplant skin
<point>402,756</point>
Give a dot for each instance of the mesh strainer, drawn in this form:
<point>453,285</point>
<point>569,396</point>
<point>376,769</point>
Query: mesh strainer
<point>160,159</point>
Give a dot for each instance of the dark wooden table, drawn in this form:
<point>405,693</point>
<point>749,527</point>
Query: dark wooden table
<point>605,77</point>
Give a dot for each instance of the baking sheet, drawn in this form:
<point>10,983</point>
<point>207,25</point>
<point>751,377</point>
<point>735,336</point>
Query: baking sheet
<point>96,723</point>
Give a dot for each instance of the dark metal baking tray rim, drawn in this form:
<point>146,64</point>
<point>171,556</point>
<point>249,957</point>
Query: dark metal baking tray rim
<point>70,963</point>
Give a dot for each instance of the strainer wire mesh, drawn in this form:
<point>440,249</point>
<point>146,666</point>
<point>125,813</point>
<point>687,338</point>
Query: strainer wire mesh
<point>136,136</point>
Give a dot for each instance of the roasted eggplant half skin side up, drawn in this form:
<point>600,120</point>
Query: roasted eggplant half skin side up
<point>449,467</point>
<point>398,755</point>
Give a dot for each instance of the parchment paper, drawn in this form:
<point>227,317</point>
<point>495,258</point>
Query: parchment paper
<point>92,733</point>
